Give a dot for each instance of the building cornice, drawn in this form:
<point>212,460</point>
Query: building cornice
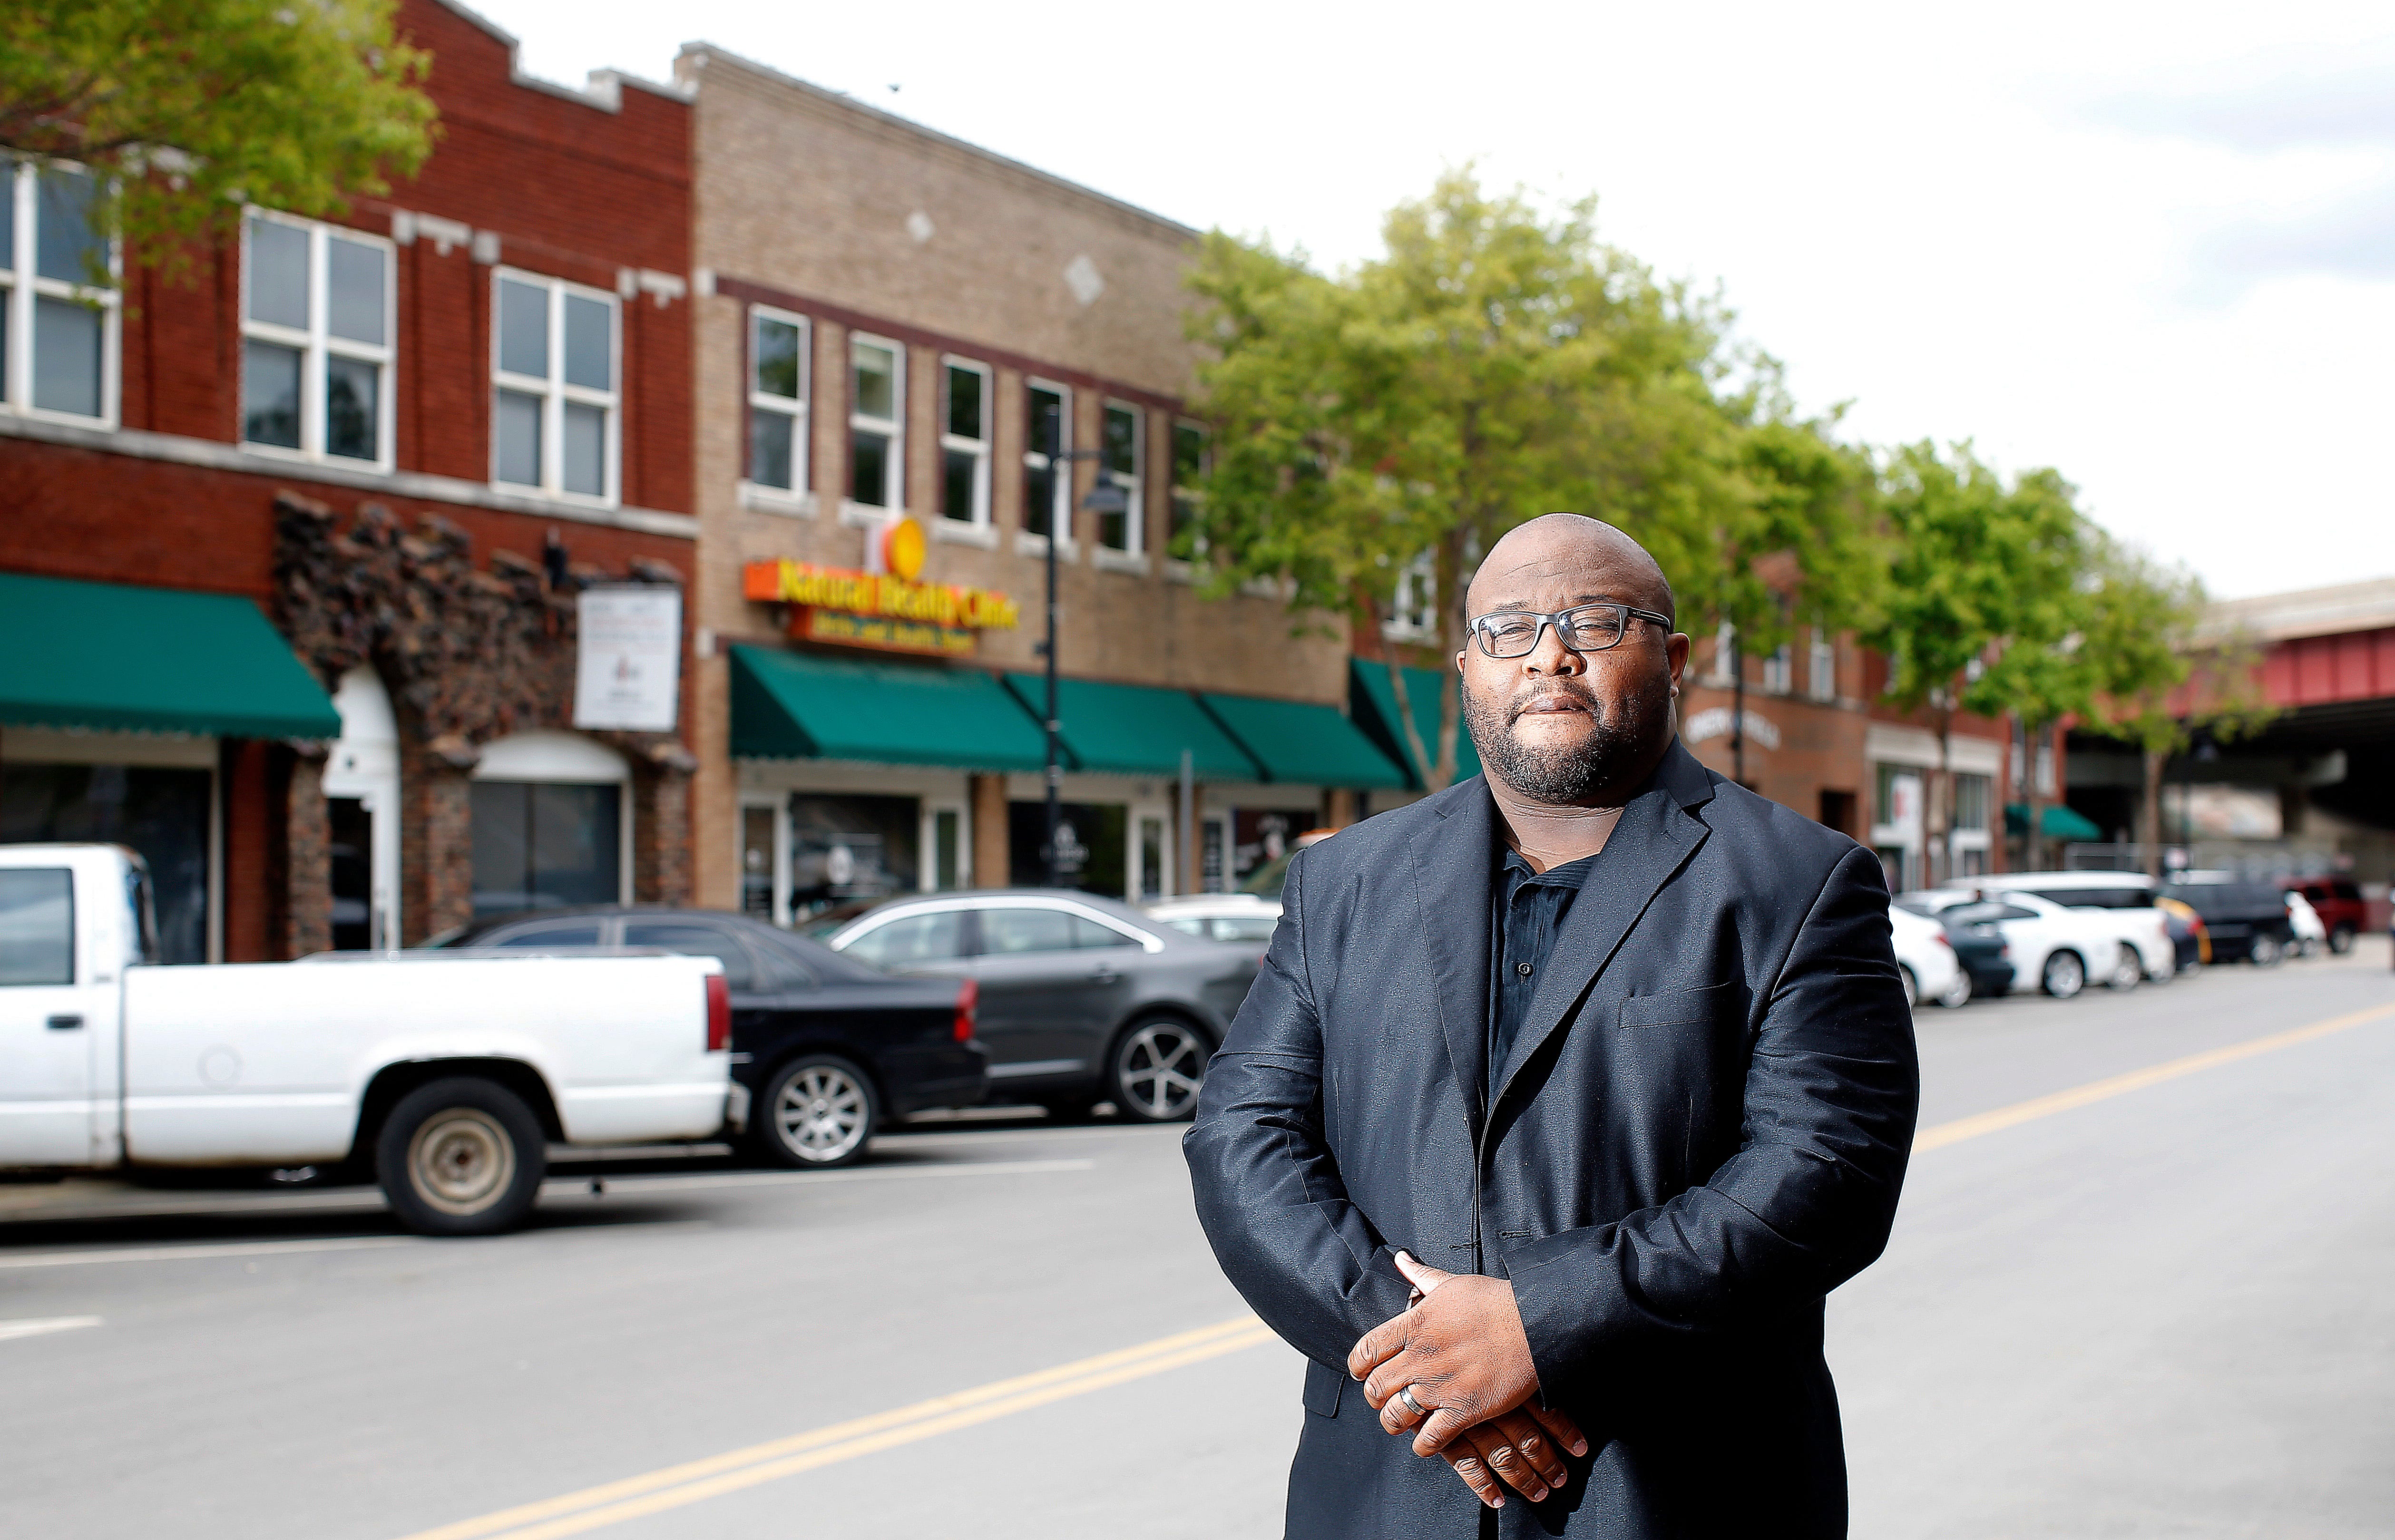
<point>209,455</point>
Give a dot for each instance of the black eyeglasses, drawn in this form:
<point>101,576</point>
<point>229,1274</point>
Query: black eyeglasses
<point>1588,628</point>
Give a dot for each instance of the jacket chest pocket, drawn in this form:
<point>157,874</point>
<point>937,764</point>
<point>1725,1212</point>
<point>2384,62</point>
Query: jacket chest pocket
<point>1710,1007</point>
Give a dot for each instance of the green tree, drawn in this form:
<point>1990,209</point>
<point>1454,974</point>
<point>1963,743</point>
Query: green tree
<point>1981,571</point>
<point>1495,364</point>
<point>184,109</point>
<point>2160,677</point>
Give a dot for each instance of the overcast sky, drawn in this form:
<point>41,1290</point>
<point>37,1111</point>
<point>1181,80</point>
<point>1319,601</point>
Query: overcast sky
<point>2153,246</point>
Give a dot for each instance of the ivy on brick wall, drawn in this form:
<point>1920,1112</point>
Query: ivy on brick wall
<point>469,654</point>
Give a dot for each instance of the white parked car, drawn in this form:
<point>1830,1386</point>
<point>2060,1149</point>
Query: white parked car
<point>2126,897</point>
<point>2310,934</point>
<point>2059,950</point>
<point>450,1074</point>
<point>1926,958</point>
<point>1219,917</point>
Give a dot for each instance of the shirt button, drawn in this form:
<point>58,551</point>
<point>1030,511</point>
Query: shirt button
<point>1522,968</point>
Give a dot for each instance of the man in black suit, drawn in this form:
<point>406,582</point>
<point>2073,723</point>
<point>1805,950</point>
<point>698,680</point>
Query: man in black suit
<point>1563,1098</point>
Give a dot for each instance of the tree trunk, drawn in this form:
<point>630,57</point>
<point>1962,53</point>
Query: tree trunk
<point>2150,813</point>
<point>1737,707</point>
<point>2032,842</point>
<point>1941,800</point>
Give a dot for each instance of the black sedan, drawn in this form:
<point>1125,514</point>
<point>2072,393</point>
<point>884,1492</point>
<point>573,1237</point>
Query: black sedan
<point>2245,920</point>
<point>1083,999</point>
<point>826,1047</point>
<point>1979,946</point>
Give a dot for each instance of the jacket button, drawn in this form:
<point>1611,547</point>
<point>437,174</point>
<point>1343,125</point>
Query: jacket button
<point>1522,968</point>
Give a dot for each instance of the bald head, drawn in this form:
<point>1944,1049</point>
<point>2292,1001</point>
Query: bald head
<point>1567,553</point>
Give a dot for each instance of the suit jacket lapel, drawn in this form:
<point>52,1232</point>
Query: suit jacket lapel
<point>1654,838</point>
<point>1451,863</point>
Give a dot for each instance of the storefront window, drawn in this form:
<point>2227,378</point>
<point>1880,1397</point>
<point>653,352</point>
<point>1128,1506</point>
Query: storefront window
<point>546,846</point>
<point>850,847</point>
<point>757,862</point>
<point>1091,846</point>
<point>162,814</point>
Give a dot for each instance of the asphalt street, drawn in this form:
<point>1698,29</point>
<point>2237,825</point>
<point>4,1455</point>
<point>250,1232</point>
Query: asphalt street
<point>2156,1307</point>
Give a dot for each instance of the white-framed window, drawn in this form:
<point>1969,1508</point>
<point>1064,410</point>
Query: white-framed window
<point>1047,486</point>
<point>1123,455</point>
<point>1779,669</point>
<point>555,361</point>
<point>316,328</point>
<point>778,370</point>
<point>1725,652</point>
<point>57,330</point>
<point>1188,467</point>
<point>1821,671</point>
<point>1413,603</point>
<point>876,423</point>
<point>964,441</point>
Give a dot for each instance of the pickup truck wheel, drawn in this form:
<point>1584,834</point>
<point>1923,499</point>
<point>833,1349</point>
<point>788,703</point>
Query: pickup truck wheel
<point>2064,976</point>
<point>2340,940</point>
<point>1157,1067</point>
<point>462,1156</point>
<point>818,1111</point>
<point>2266,951</point>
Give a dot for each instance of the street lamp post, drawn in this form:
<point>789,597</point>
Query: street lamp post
<point>1105,497</point>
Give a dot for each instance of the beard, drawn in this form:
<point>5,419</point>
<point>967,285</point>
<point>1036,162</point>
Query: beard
<point>1617,743</point>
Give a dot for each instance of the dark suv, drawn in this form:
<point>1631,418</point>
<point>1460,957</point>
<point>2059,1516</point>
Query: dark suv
<point>2245,920</point>
<point>2344,912</point>
<point>826,1047</point>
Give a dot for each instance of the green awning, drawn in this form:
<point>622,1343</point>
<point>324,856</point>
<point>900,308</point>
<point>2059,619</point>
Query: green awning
<point>109,656</point>
<point>1305,745</point>
<point>1375,708</point>
<point>2059,822</point>
<point>793,705</point>
<point>1133,729</point>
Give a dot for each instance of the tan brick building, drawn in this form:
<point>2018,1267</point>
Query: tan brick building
<point>889,324</point>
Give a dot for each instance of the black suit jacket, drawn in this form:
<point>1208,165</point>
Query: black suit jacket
<point>1699,1132</point>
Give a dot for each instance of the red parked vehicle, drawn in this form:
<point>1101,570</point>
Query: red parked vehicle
<point>2344,912</point>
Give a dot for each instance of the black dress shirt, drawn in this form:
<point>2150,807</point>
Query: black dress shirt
<point>1526,910</point>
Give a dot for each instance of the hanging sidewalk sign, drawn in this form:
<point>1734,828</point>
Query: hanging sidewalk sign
<point>627,674</point>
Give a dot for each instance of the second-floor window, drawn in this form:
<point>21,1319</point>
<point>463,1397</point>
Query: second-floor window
<point>1188,466</point>
<point>1971,801</point>
<point>57,329</point>
<point>964,443</point>
<point>1125,454</point>
<point>1413,603</point>
<point>1779,669</point>
<point>1822,676</point>
<point>778,401</point>
<point>877,431</point>
<point>554,399</point>
<point>315,349</point>
<point>1047,486</point>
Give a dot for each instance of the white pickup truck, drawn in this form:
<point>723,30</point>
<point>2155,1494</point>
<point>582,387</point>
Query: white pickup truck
<point>450,1074</point>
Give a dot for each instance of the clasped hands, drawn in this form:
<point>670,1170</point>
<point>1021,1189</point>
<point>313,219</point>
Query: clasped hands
<point>1462,1351</point>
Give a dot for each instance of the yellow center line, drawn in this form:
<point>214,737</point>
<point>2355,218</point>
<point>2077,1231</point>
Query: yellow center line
<point>2136,1080</point>
<point>694,1481</point>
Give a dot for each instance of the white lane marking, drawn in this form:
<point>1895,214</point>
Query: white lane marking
<point>369,1200</point>
<point>176,1253</point>
<point>671,1183</point>
<point>44,1327</point>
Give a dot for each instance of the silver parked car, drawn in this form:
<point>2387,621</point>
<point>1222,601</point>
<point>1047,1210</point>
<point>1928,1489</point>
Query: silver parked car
<point>1082,999</point>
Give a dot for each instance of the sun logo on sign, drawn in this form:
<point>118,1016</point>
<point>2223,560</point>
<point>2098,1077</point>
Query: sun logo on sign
<point>902,548</point>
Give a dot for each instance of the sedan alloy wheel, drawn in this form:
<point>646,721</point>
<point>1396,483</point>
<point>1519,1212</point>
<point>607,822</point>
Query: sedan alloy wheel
<point>819,1113</point>
<point>2064,976</point>
<point>1158,1069</point>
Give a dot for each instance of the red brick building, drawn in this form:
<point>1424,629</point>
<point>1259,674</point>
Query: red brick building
<point>407,439</point>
